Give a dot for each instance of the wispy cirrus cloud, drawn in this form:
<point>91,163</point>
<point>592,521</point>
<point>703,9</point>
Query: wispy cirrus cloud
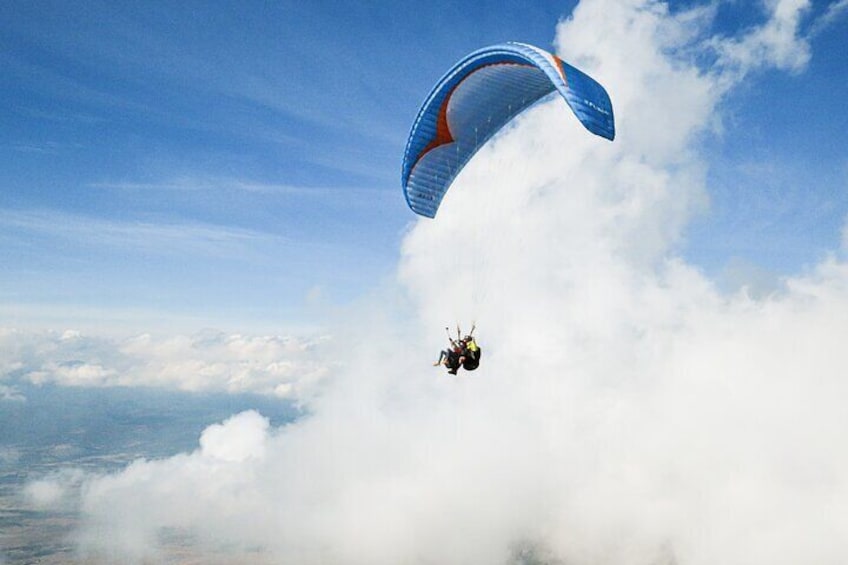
<point>193,183</point>
<point>834,12</point>
<point>158,237</point>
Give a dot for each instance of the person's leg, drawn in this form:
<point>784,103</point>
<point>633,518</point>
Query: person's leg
<point>442,356</point>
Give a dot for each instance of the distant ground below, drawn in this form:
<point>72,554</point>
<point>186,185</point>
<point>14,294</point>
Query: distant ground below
<point>48,429</point>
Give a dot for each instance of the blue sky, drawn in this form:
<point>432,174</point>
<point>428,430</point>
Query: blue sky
<point>238,163</point>
<point>779,172</point>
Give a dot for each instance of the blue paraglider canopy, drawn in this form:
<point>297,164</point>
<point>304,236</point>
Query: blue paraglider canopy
<point>475,99</point>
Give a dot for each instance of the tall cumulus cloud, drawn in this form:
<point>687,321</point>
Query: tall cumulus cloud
<point>626,411</point>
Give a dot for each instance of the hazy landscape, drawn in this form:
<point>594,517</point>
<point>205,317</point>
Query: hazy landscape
<point>50,431</point>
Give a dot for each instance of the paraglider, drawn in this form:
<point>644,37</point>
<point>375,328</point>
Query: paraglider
<point>463,352</point>
<point>475,99</point>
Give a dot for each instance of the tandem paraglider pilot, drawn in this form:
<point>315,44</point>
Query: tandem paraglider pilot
<point>463,352</point>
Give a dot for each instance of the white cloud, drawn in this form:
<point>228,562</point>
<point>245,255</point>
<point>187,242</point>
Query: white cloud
<point>9,455</point>
<point>216,484</point>
<point>11,393</point>
<point>241,437</point>
<point>776,44</point>
<point>625,411</point>
<point>287,367</point>
<point>57,491</point>
<point>834,12</point>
